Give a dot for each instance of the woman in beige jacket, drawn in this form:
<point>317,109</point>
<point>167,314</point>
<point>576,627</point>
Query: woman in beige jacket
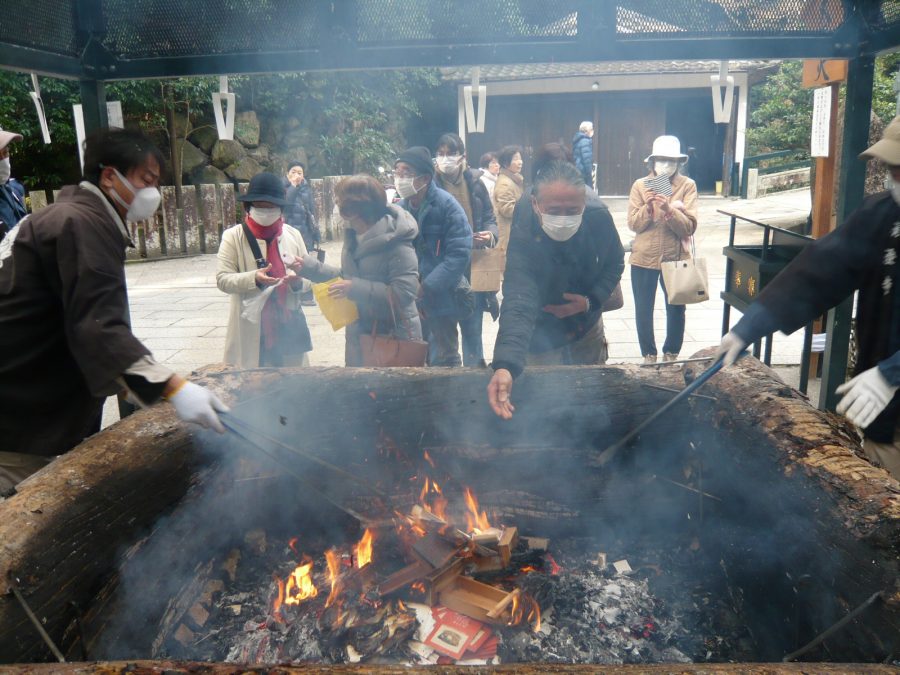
<point>507,191</point>
<point>277,335</point>
<point>664,226</point>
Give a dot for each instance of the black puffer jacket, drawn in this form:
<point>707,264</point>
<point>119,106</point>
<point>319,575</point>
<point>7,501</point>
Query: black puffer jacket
<point>538,272</point>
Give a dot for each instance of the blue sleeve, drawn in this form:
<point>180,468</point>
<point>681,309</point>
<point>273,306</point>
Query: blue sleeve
<point>890,368</point>
<point>456,249</point>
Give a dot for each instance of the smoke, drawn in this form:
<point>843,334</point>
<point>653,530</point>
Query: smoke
<point>759,535</point>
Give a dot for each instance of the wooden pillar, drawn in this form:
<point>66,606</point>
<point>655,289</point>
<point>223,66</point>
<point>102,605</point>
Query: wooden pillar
<point>857,111</point>
<point>823,198</point>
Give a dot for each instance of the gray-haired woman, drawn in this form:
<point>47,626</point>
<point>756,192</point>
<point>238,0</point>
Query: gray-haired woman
<point>564,261</point>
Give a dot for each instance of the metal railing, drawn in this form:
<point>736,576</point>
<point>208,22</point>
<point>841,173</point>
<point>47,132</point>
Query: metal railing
<point>767,163</point>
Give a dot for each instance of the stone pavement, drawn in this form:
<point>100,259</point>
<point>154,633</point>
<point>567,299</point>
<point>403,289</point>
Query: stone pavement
<point>181,316</point>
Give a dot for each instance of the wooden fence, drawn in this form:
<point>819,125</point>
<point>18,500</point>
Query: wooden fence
<point>207,211</point>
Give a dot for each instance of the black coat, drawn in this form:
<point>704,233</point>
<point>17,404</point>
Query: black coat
<point>853,257</point>
<point>480,202</point>
<point>538,272</point>
<point>301,211</point>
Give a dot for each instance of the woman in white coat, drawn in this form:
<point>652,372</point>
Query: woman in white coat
<point>276,333</point>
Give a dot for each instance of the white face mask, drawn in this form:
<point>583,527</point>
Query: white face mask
<point>448,164</point>
<point>143,204</point>
<point>405,186</point>
<point>560,228</point>
<point>894,187</point>
<point>265,216</point>
<point>5,170</point>
<point>665,167</point>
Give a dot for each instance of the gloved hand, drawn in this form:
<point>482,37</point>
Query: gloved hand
<point>865,396</point>
<point>732,346</point>
<point>199,405</point>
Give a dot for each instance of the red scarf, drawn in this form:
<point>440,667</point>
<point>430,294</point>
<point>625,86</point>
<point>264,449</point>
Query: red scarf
<point>274,312</point>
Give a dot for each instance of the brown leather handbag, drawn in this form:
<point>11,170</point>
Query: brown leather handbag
<point>615,300</point>
<point>382,351</point>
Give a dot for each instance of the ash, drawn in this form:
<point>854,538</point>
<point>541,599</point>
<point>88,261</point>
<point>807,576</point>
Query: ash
<point>594,616</point>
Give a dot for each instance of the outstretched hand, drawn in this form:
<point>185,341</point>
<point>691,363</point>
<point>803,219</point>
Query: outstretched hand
<point>499,389</point>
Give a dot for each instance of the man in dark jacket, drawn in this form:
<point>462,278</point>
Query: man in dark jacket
<point>444,248</point>
<point>301,209</point>
<point>467,188</point>
<point>12,193</point>
<point>564,261</point>
<point>583,151</point>
<point>862,254</point>
<point>64,333</point>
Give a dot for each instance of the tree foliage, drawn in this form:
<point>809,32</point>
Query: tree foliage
<point>346,122</point>
<point>781,117</point>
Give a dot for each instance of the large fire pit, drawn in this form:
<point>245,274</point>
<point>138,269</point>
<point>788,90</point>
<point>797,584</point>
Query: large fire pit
<point>738,529</point>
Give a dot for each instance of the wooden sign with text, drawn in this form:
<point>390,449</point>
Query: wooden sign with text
<point>822,72</point>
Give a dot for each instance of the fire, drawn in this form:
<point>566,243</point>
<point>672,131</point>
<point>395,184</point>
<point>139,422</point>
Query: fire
<point>432,498</point>
<point>475,520</point>
<point>333,559</point>
<point>279,600</point>
<point>525,608</point>
<point>363,550</point>
<point>428,459</point>
<point>554,566</point>
<point>300,586</point>
<point>293,545</point>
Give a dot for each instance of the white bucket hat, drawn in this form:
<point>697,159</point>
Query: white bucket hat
<point>7,137</point>
<point>668,147</point>
<point>888,148</point>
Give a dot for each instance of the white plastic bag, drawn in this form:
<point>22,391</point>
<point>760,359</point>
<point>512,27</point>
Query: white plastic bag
<point>252,307</point>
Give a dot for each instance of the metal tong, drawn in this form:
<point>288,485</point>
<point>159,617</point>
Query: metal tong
<point>609,453</point>
<point>246,432</point>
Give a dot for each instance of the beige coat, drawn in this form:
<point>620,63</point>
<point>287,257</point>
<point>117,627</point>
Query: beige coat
<point>659,238</point>
<point>236,275</point>
<point>507,193</point>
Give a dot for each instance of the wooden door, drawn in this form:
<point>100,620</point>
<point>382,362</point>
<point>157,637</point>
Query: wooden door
<point>626,127</point>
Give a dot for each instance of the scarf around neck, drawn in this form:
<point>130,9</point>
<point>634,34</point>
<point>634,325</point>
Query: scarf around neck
<point>274,313</point>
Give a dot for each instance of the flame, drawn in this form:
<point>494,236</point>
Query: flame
<point>518,612</point>
<point>418,587</point>
<point>428,459</point>
<point>475,519</point>
<point>293,545</point>
<point>432,498</point>
<point>363,550</point>
<point>279,600</point>
<point>333,559</point>
<point>554,566</point>
<point>300,586</point>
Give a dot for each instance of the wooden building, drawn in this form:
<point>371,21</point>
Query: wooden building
<point>630,104</point>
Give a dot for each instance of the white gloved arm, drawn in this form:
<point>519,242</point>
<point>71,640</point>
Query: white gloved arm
<point>731,348</point>
<point>865,396</point>
<point>199,405</point>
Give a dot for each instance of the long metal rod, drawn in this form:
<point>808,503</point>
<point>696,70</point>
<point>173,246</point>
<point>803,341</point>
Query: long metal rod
<point>302,453</point>
<point>610,452</point>
<point>237,432</point>
<point>821,637</point>
<point>676,391</point>
<point>34,620</point>
<point>662,364</point>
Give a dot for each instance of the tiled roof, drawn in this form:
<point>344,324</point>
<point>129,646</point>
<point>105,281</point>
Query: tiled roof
<point>533,71</point>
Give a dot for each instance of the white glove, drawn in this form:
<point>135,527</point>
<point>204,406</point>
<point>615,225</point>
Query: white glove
<point>732,346</point>
<point>199,405</point>
<point>865,396</point>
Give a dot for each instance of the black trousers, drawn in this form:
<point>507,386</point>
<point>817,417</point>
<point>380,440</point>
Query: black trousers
<point>643,284</point>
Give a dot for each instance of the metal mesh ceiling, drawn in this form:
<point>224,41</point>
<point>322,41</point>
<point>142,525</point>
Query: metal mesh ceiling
<point>48,25</point>
<point>185,28</point>
<point>465,21</point>
<point>638,18</point>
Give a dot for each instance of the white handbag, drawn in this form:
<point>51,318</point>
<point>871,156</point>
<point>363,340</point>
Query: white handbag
<point>686,280</point>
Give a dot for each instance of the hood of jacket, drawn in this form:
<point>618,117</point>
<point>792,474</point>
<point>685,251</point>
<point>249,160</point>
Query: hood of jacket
<point>395,227</point>
<point>578,136</point>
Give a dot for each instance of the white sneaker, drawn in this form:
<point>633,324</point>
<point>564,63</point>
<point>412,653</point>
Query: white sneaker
<point>649,358</point>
